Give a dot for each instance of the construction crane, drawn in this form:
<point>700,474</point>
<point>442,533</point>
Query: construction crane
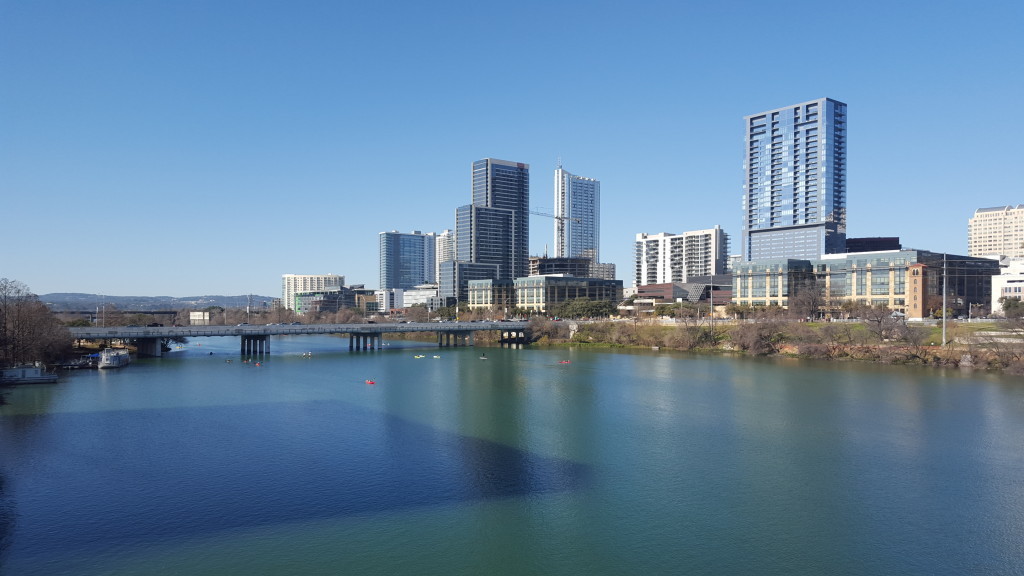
<point>559,228</point>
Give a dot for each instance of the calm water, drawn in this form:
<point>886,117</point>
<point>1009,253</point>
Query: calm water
<point>616,463</point>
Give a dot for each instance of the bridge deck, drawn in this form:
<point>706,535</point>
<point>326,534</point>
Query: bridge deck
<point>124,332</point>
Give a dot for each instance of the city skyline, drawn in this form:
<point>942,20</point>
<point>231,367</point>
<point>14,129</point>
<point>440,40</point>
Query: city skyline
<point>184,148</point>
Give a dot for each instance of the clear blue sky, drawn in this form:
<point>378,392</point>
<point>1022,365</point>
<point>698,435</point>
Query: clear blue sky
<point>184,148</point>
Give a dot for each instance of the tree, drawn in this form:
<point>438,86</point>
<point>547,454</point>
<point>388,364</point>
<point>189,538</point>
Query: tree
<point>541,327</point>
<point>880,321</point>
<point>1012,307</point>
<point>837,337</point>
<point>348,316</point>
<point>447,312</point>
<point>29,332</point>
<point>417,313</point>
<point>763,336</point>
<point>583,308</point>
<point>741,311</point>
<point>807,299</point>
<point>665,310</point>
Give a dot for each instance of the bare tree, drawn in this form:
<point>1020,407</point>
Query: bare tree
<point>29,332</point>
<point>762,336</point>
<point>417,313</point>
<point>879,321</point>
<point>348,316</point>
<point>807,298</point>
<point>837,336</point>
<point>916,337</point>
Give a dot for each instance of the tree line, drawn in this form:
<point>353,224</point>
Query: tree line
<point>29,332</point>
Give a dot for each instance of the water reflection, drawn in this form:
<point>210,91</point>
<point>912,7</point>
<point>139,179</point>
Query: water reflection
<point>184,471</point>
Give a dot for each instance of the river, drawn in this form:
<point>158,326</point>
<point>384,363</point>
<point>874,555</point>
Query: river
<point>533,461</point>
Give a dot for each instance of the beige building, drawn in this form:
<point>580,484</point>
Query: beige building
<point>996,231</point>
<point>540,293</point>
<point>294,284</point>
<point>905,281</point>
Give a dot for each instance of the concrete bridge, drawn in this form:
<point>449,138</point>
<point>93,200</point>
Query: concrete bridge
<point>255,338</point>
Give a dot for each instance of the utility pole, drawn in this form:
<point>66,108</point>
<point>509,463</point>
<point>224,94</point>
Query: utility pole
<point>711,296</point>
<point>943,299</point>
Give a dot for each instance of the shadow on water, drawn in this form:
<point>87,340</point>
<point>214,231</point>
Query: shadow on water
<point>189,471</point>
<point>7,515</point>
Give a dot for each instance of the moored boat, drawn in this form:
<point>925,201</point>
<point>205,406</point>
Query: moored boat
<point>114,358</point>
<point>29,374</point>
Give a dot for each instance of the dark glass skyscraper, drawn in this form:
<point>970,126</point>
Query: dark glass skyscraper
<point>794,185</point>
<point>495,228</point>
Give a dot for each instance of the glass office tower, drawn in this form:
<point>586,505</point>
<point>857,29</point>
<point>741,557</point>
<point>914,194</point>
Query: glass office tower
<point>794,189</point>
<point>577,216</point>
<point>406,260</point>
<point>495,228</point>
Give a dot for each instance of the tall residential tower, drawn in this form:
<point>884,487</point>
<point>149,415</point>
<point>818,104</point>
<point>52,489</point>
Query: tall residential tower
<point>794,185</point>
<point>444,251</point>
<point>577,216</point>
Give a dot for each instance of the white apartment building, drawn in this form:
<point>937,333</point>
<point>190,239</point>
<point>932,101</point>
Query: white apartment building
<point>996,231</point>
<point>1009,283</point>
<point>294,284</point>
<point>390,299</point>
<point>577,216</point>
<point>444,251</point>
<point>425,294</point>
<point>663,258</point>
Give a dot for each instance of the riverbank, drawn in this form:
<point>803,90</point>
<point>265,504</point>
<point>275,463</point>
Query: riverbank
<point>984,347</point>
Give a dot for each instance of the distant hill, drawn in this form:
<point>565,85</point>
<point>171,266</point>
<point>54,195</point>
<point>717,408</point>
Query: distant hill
<point>74,301</point>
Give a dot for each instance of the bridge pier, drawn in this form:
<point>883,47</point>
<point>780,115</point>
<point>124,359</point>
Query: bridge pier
<point>513,337</point>
<point>255,345</point>
<point>151,347</point>
<point>456,339</point>
<point>370,341</point>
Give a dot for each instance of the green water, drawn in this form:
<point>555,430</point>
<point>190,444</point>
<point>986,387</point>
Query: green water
<point>613,463</point>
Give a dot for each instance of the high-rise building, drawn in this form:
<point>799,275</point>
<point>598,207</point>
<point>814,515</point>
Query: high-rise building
<point>294,284</point>
<point>577,216</point>
<point>794,182</point>
<point>996,231</point>
<point>444,251</point>
<point>663,258</point>
<point>407,259</point>
<point>495,228</point>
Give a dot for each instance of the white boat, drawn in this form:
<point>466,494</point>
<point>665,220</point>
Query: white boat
<point>29,374</point>
<point>114,358</point>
